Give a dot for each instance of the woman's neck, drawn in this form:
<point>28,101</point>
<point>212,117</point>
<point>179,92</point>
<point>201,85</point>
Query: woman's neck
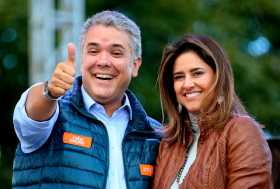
<point>194,121</point>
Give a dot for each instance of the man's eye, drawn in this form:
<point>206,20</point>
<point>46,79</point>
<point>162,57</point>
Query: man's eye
<point>117,53</point>
<point>92,52</point>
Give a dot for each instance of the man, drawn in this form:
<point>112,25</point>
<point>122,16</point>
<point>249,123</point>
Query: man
<point>96,135</point>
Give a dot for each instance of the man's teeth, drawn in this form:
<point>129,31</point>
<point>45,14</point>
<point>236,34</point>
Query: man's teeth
<point>104,76</point>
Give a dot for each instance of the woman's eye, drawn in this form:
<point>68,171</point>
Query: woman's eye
<point>198,73</point>
<point>178,77</point>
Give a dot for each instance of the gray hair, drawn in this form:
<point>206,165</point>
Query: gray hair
<point>118,21</point>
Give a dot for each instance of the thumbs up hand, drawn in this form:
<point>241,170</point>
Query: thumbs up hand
<point>64,74</point>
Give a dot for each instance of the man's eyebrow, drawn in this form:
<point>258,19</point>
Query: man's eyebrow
<point>116,45</point>
<point>92,45</point>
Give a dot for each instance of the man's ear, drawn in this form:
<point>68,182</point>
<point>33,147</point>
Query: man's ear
<point>135,66</point>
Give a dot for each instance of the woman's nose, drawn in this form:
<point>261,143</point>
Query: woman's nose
<point>188,83</point>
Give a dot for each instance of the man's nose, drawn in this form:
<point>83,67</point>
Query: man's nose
<point>103,59</point>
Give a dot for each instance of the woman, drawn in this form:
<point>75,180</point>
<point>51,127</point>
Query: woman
<point>210,141</point>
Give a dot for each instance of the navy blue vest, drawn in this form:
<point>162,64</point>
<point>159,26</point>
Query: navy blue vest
<point>60,165</point>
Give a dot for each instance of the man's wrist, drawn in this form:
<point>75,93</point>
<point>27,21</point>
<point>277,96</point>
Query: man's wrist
<point>47,93</point>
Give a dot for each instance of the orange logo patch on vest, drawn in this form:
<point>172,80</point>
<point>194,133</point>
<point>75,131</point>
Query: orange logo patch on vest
<point>77,140</point>
<point>146,170</point>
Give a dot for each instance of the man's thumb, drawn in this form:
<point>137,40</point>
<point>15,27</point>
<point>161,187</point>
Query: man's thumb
<point>71,50</point>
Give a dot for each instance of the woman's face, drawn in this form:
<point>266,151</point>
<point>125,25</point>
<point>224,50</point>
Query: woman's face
<point>193,79</point>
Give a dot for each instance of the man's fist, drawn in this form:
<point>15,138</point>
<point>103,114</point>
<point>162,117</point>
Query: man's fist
<point>64,74</point>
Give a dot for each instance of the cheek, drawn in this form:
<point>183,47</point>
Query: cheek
<point>208,84</point>
<point>85,68</point>
<point>82,68</point>
<point>209,91</point>
<point>176,87</point>
<point>87,62</point>
<point>123,67</point>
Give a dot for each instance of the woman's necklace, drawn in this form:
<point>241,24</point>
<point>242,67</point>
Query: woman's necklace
<point>195,131</point>
<point>179,173</point>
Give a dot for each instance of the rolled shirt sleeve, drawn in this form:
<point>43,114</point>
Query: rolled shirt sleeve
<point>31,134</point>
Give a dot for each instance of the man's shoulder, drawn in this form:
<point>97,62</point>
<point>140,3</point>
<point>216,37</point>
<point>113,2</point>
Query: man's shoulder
<point>156,126</point>
<point>154,123</point>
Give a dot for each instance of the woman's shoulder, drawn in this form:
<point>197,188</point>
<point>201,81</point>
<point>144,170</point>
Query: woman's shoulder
<point>243,122</point>
<point>244,127</point>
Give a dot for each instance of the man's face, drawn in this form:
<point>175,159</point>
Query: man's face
<point>107,65</point>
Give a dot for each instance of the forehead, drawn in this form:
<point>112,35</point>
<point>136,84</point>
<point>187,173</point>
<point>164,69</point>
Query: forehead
<point>107,36</point>
<point>189,60</point>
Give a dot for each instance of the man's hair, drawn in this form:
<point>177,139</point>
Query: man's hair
<point>119,21</point>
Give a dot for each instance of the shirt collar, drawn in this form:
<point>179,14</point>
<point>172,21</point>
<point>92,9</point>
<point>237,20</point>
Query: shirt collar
<point>89,102</point>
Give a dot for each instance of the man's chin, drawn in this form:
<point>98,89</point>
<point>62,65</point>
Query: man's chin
<point>102,97</point>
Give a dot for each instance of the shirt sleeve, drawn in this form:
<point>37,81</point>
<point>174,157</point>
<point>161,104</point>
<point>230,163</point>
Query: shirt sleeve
<point>31,134</point>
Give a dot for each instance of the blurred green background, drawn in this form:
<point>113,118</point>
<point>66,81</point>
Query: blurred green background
<point>248,31</point>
